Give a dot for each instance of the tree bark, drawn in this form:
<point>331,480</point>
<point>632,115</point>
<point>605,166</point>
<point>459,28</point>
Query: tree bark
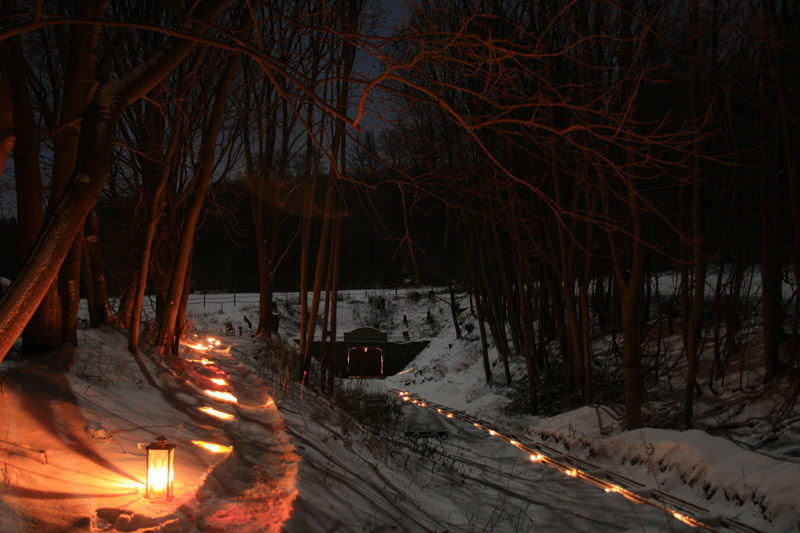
<point>79,81</point>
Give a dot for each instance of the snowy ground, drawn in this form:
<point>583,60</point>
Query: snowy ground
<point>71,460</point>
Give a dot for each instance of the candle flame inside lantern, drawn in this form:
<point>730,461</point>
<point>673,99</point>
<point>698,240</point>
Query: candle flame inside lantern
<point>160,472</point>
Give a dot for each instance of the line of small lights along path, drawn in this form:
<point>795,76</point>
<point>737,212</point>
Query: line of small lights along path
<point>575,467</point>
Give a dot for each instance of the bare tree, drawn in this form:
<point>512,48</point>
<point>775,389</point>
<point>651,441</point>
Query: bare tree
<point>90,170</point>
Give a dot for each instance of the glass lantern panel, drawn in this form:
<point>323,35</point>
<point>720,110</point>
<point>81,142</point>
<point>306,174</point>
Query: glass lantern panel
<point>159,473</point>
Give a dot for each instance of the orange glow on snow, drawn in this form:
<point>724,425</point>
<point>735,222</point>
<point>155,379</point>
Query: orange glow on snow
<point>220,395</point>
<point>214,448</point>
<point>202,361</point>
<point>685,519</point>
<point>213,412</point>
<point>537,457</point>
<point>212,342</point>
<point>218,381</point>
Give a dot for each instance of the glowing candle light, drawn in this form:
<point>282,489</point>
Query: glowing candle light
<point>214,448</point>
<point>685,519</point>
<point>202,361</point>
<point>213,412</point>
<point>220,395</point>
<point>537,457</point>
<point>218,381</point>
<point>160,470</point>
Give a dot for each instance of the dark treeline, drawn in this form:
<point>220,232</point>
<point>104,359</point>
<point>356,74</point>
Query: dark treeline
<point>552,157</point>
<point>584,147</point>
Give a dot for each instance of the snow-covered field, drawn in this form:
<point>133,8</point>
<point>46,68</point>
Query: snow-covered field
<point>288,459</point>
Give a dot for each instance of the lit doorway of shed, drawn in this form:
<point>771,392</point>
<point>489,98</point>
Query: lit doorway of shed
<point>365,362</point>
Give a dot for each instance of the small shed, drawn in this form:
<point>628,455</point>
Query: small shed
<point>365,352</point>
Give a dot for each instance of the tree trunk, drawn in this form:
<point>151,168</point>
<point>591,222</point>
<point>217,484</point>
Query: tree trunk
<point>487,369</point>
<point>454,309</point>
<point>79,82</point>
<point>695,319</point>
<point>93,163</point>
<point>319,274</point>
<point>42,331</point>
<point>7,135</point>
<point>770,267</point>
<point>154,210</point>
<point>99,311</point>
<point>527,334</point>
<point>493,307</point>
<point>337,248</point>
<point>204,169</point>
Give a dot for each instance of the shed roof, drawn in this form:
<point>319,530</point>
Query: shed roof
<point>364,335</point>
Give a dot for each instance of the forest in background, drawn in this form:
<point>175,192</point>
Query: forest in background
<point>550,156</point>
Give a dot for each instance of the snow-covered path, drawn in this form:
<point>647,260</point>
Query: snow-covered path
<point>72,444</point>
<point>253,489</point>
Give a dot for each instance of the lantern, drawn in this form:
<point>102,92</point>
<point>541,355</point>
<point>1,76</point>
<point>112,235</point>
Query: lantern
<point>160,469</point>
